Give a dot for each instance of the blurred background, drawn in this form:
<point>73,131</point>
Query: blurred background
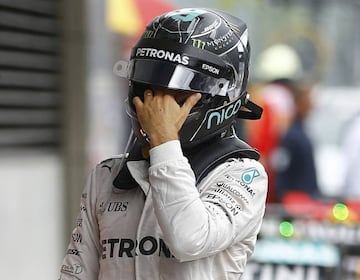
<point>62,111</point>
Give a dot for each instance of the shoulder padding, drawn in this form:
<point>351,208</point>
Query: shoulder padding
<point>205,157</point>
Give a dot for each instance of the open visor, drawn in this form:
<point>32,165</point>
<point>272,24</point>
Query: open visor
<point>175,76</point>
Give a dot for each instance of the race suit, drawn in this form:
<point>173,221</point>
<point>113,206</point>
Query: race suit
<point>167,228</point>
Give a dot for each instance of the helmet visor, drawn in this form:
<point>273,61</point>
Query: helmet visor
<point>175,76</point>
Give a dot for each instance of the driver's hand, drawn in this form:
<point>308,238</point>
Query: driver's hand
<point>163,113</point>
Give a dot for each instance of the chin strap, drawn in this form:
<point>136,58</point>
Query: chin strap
<point>253,111</point>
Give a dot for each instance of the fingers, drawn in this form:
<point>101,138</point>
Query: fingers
<point>147,94</point>
<point>137,100</point>
<point>191,101</point>
<point>186,108</point>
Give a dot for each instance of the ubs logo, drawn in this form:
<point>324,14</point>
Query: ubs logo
<point>117,206</point>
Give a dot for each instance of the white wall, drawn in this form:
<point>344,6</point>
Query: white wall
<point>30,216</point>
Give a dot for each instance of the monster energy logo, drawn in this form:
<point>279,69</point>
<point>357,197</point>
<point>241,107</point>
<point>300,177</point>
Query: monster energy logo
<point>148,34</point>
<point>197,43</point>
<point>234,27</point>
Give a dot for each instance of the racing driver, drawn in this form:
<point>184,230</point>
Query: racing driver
<point>187,198</point>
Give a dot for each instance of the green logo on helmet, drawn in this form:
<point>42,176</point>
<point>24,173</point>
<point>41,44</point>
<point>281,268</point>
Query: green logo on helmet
<point>187,17</point>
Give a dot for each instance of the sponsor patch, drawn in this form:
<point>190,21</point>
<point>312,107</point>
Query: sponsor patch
<point>225,201</point>
<point>72,269</point>
<point>163,55</point>
<point>248,176</point>
<point>127,247</point>
<point>75,252</point>
<point>232,190</point>
<point>76,237</point>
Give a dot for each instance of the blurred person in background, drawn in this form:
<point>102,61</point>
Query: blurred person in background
<point>351,155</point>
<point>293,161</point>
<point>186,200</point>
<point>276,65</point>
<point>265,134</point>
